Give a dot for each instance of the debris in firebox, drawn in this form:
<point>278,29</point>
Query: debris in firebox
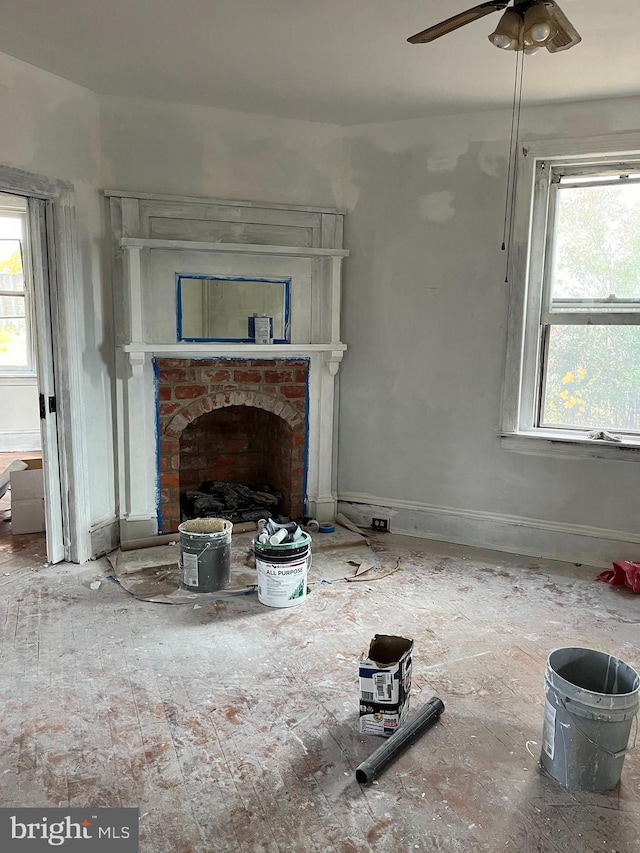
<point>232,501</point>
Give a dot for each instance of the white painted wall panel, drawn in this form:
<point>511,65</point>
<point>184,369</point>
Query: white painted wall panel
<point>19,417</point>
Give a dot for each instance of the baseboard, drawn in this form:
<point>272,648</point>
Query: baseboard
<point>17,440</point>
<point>105,536</point>
<point>574,543</point>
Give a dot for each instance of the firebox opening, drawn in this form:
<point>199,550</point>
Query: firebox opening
<point>241,463</point>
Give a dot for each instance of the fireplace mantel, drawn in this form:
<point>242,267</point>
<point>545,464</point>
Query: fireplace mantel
<point>155,238</point>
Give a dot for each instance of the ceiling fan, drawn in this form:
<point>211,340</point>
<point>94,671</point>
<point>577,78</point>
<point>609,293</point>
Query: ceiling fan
<point>525,25</point>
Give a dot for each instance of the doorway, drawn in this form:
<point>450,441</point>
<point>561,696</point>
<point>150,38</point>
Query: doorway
<point>31,497</point>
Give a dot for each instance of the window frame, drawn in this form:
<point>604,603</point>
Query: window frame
<point>8,374</point>
<point>529,276</point>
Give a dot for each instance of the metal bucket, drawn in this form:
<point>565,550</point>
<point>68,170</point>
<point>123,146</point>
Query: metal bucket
<point>591,701</point>
<point>205,554</point>
<point>282,571</point>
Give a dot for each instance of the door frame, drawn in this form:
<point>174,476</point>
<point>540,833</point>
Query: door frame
<point>66,323</point>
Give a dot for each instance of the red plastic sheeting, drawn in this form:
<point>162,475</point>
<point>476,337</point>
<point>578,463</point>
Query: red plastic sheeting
<point>624,573</point>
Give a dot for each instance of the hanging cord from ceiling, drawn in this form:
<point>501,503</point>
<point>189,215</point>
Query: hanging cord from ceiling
<point>512,167</point>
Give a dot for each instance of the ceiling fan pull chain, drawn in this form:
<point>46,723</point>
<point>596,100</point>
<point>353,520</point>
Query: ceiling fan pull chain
<point>513,154</point>
<point>513,120</point>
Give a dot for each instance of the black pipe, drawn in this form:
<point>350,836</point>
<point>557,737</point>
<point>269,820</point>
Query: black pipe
<point>399,741</point>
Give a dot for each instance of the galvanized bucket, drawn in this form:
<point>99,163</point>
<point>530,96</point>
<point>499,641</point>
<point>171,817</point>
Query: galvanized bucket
<point>592,699</point>
<point>205,554</point>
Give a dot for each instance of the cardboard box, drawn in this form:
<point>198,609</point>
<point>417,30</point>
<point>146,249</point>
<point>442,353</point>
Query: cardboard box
<point>27,498</point>
<point>28,483</point>
<point>27,516</point>
<point>385,684</point>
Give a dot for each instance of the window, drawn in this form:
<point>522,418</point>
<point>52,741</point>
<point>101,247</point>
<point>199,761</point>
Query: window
<point>16,351</point>
<point>578,348</point>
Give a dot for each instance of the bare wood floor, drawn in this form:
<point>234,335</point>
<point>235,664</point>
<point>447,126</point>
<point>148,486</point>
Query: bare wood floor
<point>233,726</point>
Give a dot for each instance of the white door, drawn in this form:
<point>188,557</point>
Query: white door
<point>41,276</point>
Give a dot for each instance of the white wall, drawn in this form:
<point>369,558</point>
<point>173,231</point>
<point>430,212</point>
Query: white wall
<point>19,416</point>
<point>187,150</point>
<point>425,311</point>
<point>52,127</point>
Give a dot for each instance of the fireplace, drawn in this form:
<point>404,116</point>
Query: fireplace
<point>198,398</point>
<point>241,421</point>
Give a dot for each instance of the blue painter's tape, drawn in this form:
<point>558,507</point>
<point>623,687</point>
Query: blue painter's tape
<point>326,528</point>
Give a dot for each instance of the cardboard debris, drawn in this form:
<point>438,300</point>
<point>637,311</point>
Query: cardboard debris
<point>343,521</point>
<point>385,684</point>
<point>363,568</point>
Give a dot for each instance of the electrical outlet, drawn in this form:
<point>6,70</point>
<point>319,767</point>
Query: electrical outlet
<point>380,524</point>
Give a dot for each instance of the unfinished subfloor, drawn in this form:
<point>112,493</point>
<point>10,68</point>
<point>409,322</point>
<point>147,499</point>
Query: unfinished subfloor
<point>234,727</point>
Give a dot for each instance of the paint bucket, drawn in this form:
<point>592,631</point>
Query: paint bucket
<point>591,701</point>
<point>282,571</point>
<point>205,554</point>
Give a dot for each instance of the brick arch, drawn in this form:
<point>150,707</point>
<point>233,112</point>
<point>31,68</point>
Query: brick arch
<point>191,388</point>
<point>222,399</point>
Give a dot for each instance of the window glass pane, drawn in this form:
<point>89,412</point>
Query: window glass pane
<point>597,243</point>
<point>592,378</point>
<point>13,343</point>
<point>10,227</point>
<point>11,273</point>
<point>11,306</point>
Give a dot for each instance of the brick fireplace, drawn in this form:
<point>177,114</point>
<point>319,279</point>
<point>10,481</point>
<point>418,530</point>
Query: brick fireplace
<point>234,420</point>
<point>209,407</point>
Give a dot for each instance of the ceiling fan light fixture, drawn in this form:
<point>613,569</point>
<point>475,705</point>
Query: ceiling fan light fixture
<point>538,24</point>
<point>507,34</point>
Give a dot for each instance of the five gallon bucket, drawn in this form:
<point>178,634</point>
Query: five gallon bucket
<point>282,571</point>
<point>591,701</point>
<point>205,553</point>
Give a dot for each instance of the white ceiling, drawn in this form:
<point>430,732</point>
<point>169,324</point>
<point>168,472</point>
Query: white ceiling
<point>338,61</point>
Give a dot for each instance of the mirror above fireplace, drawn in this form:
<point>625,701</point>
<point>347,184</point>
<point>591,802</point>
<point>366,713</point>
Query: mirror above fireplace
<point>218,308</point>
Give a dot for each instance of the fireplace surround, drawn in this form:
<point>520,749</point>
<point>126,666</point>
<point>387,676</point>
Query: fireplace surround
<point>189,411</point>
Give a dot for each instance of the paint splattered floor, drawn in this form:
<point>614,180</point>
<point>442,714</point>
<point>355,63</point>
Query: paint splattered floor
<point>233,726</point>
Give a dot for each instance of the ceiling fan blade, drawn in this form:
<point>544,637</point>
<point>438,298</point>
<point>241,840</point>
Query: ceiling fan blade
<point>457,21</point>
<point>566,36</point>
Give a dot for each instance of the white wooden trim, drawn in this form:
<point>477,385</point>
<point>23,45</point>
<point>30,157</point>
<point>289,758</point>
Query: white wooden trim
<point>550,442</point>
<point>43,276</point>
<point>591,318</point>
<point>187,199</point>
<point>595,546</point>
<point>19,379</point>
<point>205,350</point>
<point>526,271</point>
<point>231,248</point>
<point>134,293</point>
<point>67,322</point>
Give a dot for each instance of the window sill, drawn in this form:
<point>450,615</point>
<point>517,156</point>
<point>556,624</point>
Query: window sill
<point>18,379</point>
<point>577,447</point>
